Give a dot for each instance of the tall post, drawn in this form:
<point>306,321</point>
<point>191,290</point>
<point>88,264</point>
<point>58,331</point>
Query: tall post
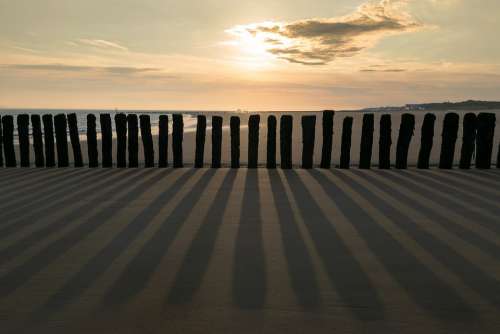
<point>133,141</point>
<point>177,138</point>
<point>74,135</point>
<point>235,141</point>
<point>147,141</point>
<point>8,141</point>
<point>216,141</point>
<point>271,142</point>
<point>486,123</point>
<point>468,140</point>
<point>93,153</point>
<point>107,141</point>
<point>345,150</point>
<point>253,141</point>
<point>365,156</point>
<point>406,131</point>
<point>201,131</point>
<point>1,143</point>
<point>308,136</point>
<point>48,134</point>
<point>426,141</point>
<point>450,133</point>
<point>385,142</point>
<point>286,131</point>
<point>163,141</point>
<point>36,125</point>
<point>326,153</point>
<point>61,127</point>
<point>23,124</point>
<point>121,140</point>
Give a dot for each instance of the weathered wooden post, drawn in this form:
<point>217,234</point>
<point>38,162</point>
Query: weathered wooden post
<point>498,157</point>
<point>450,133</point>
<point>74,136</point>
<point>1,142</point>
<point>36,124</point>
<point>365,156</point>
<point>163,141</point>
<point>286,131</point>
<point>326,152</point>
<point>253,141</point>
<point>133,141</point>
<point>426,141</point>
<point>61,127</point>
<point>147,141</point>
<point>308,136</point>
<point>385,142</point>
<point>406,131</point>
<point>468,140</point>
<point>216,141</point>
<point>8,141</point>
<point>345,150</point>
<point>121,140</point>
<point>235,141</point>
<point>486,123</point>
<point>201,131</point>
<point>271,142</point>
<point>106,141</point>
<point>23,125</point>
<point>48,134</point>
<point>177,137</point>
<point>93,153</point>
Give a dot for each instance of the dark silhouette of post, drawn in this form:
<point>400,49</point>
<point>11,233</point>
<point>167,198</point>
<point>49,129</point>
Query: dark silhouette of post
<point>93,153</point>
<point>23,126</point>
<point>107,141</point>
<point>468,140</point>
<point>426,141</point>
<point>61,126</point>
<point>216,141</point>
<point>385,142</point>
<point>286,130</point>
<point>485,134</point>
<point>253,141</point>
<point>133,141</point>
<point>201,131</point>
<point>308,136</point>
<point>36,125</point>
<point>450,134</point>
<point>365,156</point>
<point>1,143</point>
<point>345,149</point>
<point>48,134</point>
<point>271,142</point>
<point>498,157</point>
<point>74,136</point>
<point>8,141</point>
<point>406,131</point>
<point>163,141</point>
<point>177,137</point>
<point>235,141</point>
<point>326,152</point>
<point>121,140</point>
<point>147,141</point>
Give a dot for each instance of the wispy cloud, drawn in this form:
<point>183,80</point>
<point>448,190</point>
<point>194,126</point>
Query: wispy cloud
<point>118,70</point>
<point>101,43</point>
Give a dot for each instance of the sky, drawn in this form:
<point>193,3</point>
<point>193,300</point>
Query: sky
<point>250,55</point>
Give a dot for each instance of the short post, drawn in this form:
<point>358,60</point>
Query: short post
<point>253,141</point>
<point>74,136</point>
<point>326,153</point>
<point>93,153</point>
<point>1,142</point>
<point>8,141</point>
<point>365,157</point>
<point>426,141</point>
<point>216,141</point>
<point>61,127</point>
<point>23,125</point>
<point>147,141</point>
<point>286,131</point>
<point>163,141</point>
<point>121,140</point>
<point>468,140</point>
<point>385,142</point>
<point>308,136</point>
<point>48,134</point>
<point>345,149</point>
<point>107,140</point>
<point>235,141</point>
<point>201,131</point>
<point>177,137</point>
<point>406,131</point>
<point>486,123</point>
<point>450,133</point>
<point>271,142</point>
<point>133,141</point>
<point>36,124</point>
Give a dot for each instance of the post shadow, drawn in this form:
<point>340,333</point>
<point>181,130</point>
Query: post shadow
<point>48,134</point>
<point>36,124</point>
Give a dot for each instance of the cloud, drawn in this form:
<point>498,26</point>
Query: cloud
<point>320,41</point>
<point>101,43</point>
<point>116,70</point>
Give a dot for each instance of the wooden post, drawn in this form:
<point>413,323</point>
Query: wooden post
<point>271,142</point>
<point>406,131</point>
<point>450,133</point>
<point>74,136</point>
<point>326,153</point>
<point>133,141</point>
<point>36,124</point>
<point>426,141</point>
<point>93,153</point>
<point>106,141</point>
<point>61,127</point>
<point>235,141</point>
<point>468,141</point>
<point>163,141</point>
<point>365,156</point>
<point>345,150</point>
<point>253,141</point>
<point>1,143</point>
<point>201,131</point>
<point>48,134</point>
<point>147,141</point>
<point>23,130</point>
<point>121,140</point>
<point>286,132</point>
<point>216,141</point>
<point>177,137</point>
<point>498,157</point>
<point>308,136</point>
<point>485,133</point>
<point>8,141</point>
<point>385,142</point>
